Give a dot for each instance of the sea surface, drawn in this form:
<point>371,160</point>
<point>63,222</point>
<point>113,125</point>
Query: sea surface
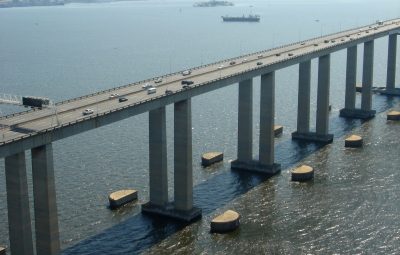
<point>351,206</point>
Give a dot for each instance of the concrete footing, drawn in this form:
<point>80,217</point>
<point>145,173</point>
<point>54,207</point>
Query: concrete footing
<point>210,158</point>
<point>312,137</point>
<point>392,92</point>
<point>225,222</point>
<point>256,166</point>
<point>353,141</point>
<point>121,197</point>
<point>2,251</point>
<point>278,130</point>
<point>169,211</point>
<point>393,115</point>
<point>302,173</point>
<point>357,113</point>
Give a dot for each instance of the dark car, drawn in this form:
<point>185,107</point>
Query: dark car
<point>167,91</point>
<point>259,63</point>
<point>187,82</point>
<point>232,63</point>
<point>122,99</point>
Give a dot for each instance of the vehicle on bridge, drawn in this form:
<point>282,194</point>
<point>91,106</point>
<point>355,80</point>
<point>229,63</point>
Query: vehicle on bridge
<point>186,82</point>
<point>168,92</point>
<point>259,63</point>
<point>122,99</point>
<point>232,63</point>
<point>151,90</point>
<point>186,72</point>
<point>158,80</point>
<point>113,95</point>
<point>87,111</point>
<point>147,86</point>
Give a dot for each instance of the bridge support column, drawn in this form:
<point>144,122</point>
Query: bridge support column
<point>265,164</point>
<point>349,110</point>
<point>158,178</point>
<point>322,121</point>
<point>245,123</point>
<point>19,220</point>
<point>367,79</point>
<point>45,204</point>
<point>182,207</point>
<point>391,68</point>
<point>183,171</point>
<point>303,100</point>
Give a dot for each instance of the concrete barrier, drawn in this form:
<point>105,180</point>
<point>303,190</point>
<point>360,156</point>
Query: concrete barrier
<point>225,222</point>
<point>210,158</point>
<point>302,173</point>
<point>393,115</point>
<point>353,141</point>
<point>121,197</point>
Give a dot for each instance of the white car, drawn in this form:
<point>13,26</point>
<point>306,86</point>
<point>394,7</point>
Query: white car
<point>114,95</point>
<point>158,80</point>
<point>221,66</point>
<point>87,111</point>
<point>151,91</point>
<point>186,72</point>
<point>147,86</point>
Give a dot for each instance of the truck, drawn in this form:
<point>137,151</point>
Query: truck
<point>35,101</point>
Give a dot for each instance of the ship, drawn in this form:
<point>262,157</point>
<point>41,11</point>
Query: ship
<point>249,18</point>
<point>213,3</point>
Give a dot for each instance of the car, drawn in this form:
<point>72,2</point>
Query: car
<point>151,91</point>
<point>303,43</point>
<point>122,99</point>
<point>186,82</point>
<point>260,56</point>
<point>158,80</point>
<point>277,54</point>
<point>358,34</point>
<point>315,44</point>
<point>221,66</point>
<point>375,28</point>
<point>168,92</point>
<point>347,35</point>
<point>342,39</point>
<point>290,54</point>
<point>244,60</point>
<point>186,72</point>
<point>185,86</point>
<point>333,41</point>
<point>367,32</point>
<point>326,41</point>
<point>113,95</point>
<point>147,86</point>
<point>232,63</point>
<point>87,111</point>
<point>259,63</point>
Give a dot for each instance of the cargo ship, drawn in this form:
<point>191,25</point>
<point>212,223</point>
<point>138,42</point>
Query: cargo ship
<point>249,18</point>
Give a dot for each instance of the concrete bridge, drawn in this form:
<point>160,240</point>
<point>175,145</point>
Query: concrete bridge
<point>35,130</point>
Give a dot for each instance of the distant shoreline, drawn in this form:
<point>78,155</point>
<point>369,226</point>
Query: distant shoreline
<point>11,4</point>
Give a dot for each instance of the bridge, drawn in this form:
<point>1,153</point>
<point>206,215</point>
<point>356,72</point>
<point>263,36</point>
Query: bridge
<point>36,129</point>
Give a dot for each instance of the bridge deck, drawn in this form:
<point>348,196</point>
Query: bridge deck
<point>43,124</point>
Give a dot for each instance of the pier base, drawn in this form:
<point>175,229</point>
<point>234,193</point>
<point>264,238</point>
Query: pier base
<point>357,113</point>
<point>256,166</point>
<point>312,137</point>
<point>169,211</point>
<point>391,92</point>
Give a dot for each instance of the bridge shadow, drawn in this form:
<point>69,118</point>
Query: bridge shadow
<point>140,232</point>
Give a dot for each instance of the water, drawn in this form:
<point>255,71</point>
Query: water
<point>63,52</point>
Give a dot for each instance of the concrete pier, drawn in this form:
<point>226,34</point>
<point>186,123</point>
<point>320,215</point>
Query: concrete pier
<point>245,121</point>
<point>265,164</point>
<point>367,79</point>
<point>351,79</point>
<point>303,100</point>
<point>45,203</point>
<point>19,220</point>
<point>158,157</point>
<point>391,68</point>
<point>322,120</point>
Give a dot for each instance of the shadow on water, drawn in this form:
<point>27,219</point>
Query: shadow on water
<point>141,232</point>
